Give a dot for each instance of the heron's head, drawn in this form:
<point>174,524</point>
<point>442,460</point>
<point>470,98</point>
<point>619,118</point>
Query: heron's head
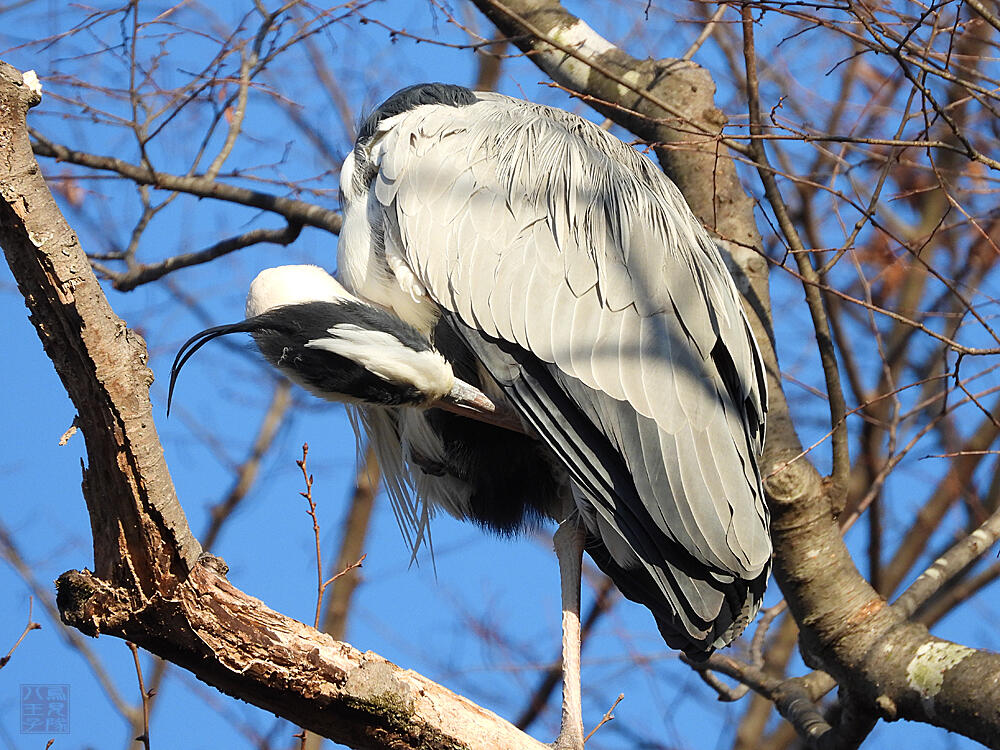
<point>338,347</point>
<point>292,285</point>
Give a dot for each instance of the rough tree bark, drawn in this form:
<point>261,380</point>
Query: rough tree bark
<point>151,584</point>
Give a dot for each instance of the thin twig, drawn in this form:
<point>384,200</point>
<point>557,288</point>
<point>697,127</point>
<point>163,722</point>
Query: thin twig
<point>312,514</point>
<point>608,716</point>
<point>144,737</point>
<point>32,625</point>
<point>355,530</point>
<point>320,583</point>
<point>706,32</point>
<point>322,588</point>
<point>303,735</point>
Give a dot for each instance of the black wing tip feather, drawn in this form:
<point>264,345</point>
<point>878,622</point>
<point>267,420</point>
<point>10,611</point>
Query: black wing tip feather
<point>742,599</point>
<point>567,432</point>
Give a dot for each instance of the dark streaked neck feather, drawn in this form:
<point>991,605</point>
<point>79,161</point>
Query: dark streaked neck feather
<point>412,97</point>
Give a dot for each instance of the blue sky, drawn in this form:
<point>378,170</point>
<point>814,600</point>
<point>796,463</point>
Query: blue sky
<point>505,588</point>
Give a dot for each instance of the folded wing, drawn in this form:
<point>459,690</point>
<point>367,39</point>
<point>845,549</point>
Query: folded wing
<point>575,271</point>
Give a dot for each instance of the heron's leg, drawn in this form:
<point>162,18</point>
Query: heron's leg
<point>568,541</point>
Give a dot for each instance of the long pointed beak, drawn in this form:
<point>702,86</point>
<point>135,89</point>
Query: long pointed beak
<point>463,394</point>
<point>468,401</point>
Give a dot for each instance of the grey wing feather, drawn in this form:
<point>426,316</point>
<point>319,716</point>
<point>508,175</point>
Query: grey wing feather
<point>540,230</point>
<point>695,612</point>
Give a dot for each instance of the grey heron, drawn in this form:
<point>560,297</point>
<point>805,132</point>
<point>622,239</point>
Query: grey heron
<point>563,276</point>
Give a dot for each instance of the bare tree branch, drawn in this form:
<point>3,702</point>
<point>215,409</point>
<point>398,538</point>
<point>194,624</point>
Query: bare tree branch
<point>943,569</point>
<point>298,212</point>
<point>145,273</point>
<point>821,325</point>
